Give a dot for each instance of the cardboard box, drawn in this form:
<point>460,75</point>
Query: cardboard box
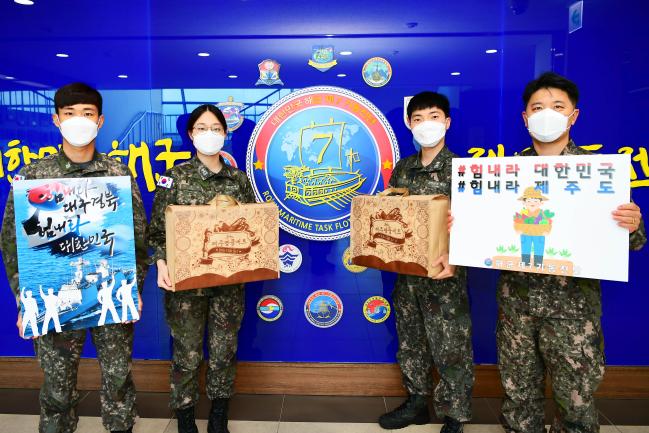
<point>404,234</point>
<point>221,243</point>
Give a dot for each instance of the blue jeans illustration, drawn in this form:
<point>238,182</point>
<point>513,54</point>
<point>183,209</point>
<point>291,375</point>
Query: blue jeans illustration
<point>532,244</point>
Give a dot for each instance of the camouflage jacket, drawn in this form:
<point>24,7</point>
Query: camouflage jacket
<point>555,296</point>
<point>192,183</point>
<point>435,178</point>
<point>59,166</point>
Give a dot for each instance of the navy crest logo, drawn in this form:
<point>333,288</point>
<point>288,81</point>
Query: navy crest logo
<point>313,151</point>
<point>269,73</point>
<point>290,258</point>
<point>376,309</point>
<point>269,308</point>
<point>347,262</point>
<point>323,308</point>
<point>232,112</point>
<point>377,72</point>
<point>322,57</point>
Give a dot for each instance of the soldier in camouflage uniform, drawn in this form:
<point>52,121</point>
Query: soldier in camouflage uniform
<point>552,323</point>
<point>220,309</point>
<point>59,353</point>
<point>432,315</point>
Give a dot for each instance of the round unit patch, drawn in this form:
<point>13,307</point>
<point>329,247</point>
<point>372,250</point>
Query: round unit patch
<point>376,309</point>
<point>270,308</point>
<point>323,308</point>
<point>290,258</point>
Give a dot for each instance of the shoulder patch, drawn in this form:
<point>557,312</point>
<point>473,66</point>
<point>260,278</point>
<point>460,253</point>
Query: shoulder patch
<point>165,182</point>
<point>18,177</point>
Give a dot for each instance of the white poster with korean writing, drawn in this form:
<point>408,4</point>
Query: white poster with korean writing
<point>542,214</point>
<point>76,253</point>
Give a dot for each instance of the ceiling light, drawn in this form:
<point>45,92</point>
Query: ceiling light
<point>491,51</point>
<point>7,77</point>
<point>455,73</point>
<point>330,36</point>
<point>203,54</point>
<point>24,2</point>
<point>341,75</point>
<point>345,53</point>
<point>62,55</point>
<point>122,76</point>
<point>233,76</point>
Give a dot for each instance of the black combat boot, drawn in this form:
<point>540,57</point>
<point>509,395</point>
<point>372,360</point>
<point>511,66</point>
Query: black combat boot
<point>186,420</point>
<point>218,422</point>
<point>451,425</point>
<point>413,411</point>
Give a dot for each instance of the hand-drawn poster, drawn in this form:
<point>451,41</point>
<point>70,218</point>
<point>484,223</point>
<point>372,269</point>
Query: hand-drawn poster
<point>543,214</point>
<point>76,253</point>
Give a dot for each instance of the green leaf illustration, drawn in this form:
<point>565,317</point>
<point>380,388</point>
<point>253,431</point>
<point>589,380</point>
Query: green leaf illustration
<point>513,248</point>
<point>565,253</point>
<point>501,249</point>
<point>551,252</point>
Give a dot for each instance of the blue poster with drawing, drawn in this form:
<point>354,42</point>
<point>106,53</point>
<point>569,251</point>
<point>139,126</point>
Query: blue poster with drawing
<point>76,253</point>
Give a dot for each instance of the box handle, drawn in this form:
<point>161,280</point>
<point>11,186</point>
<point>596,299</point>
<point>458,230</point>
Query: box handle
<point>398,191</point>
<point>223,200</point>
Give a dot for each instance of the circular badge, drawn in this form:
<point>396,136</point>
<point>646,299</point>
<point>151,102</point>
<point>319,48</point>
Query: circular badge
<point>290,258</point>
<point>313,151</point>
<point>347,262</point>
<point>376,309</point>
<point>377,72</point>
<point>323,308</point>
<point>228,158</point>
<point>270,308</point>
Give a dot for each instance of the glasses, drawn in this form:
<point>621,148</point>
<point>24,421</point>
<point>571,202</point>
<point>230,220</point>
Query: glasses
<point>204,128</point>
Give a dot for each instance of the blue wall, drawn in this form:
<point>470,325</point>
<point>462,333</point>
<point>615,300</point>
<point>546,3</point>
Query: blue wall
<point>156,47</point>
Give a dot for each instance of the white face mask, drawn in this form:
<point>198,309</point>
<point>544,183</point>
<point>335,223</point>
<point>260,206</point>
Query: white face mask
<point>78,131</point>
<point>429,133</point>
<point>208,142</point>
<point>547,125</point>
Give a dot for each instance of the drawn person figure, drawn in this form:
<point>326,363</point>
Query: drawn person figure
<point>52,303</point>
<point>124,295</point>
<point>105,298</point>
<point>31,312</point>
<point>533,224</point>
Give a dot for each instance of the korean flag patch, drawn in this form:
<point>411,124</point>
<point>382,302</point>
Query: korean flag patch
<point>165,182</point>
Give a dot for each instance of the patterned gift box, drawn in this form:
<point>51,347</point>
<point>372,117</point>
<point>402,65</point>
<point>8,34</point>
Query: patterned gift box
<point>223,242</point>
<point>404,234</point>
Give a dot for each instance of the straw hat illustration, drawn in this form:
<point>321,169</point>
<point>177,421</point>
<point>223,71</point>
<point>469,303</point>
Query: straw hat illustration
<point>531,192</point>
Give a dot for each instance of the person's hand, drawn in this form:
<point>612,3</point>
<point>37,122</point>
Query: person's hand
<point>628,216</point>
<point>448,270</point>
<point>163,275</point>
<point>449,222</point>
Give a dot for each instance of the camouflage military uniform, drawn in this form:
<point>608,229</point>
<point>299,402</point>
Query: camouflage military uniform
<point>432,316</point>
<point>188,312</point>
<point>551,323</point>
<point>59,353</point>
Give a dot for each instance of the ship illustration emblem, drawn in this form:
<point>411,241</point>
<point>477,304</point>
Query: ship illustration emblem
<point>225,241</point>
<point>331,184</point>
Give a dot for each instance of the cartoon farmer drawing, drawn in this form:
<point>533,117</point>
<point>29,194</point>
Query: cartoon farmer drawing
<point>533,224</point>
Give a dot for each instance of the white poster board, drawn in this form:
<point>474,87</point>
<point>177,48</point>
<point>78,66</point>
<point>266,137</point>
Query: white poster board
<point>542,214</point>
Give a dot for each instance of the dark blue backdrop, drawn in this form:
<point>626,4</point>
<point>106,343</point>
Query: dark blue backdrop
<point>155,44</point>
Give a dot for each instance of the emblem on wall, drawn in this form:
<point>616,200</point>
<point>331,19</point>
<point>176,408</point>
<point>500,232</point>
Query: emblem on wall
<point>322,57</point>
<point>270,308</point>
<point>377,72</point>
<point>232,112</point>
<point>290,258</point>
<point>376,309</point>
<point>269,73</point>
<point>323,308</point>
<point>313,151</point>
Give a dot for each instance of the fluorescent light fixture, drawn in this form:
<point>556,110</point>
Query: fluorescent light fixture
<point>341,75</point>
<point>330,36</point>
<point>203,54</point>
<point>491,51</point>
<point>455,73</point>
<point>7,77</point>
<point>233,76</point>
<point>62,55</point>
<point>122,76</point>
<point>345,53</point>
<point>24,2</point>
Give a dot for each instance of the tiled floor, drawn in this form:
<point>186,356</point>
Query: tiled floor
<point>297,414</point>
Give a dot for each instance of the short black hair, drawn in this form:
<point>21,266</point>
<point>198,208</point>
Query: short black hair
<point>77,93</point>
<point>424,100</point>
<point>551,80</point>
<point>198,112</point>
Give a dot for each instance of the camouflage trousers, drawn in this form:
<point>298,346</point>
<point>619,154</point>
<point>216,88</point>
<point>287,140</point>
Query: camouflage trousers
<point>570,350</point>
<point>58,356</point>
<point>434,329</point>
<point>221,311</point>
